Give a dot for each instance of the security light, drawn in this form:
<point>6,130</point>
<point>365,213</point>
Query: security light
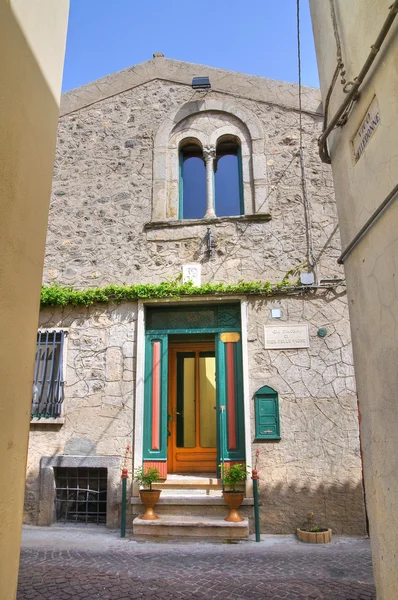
<point>307,278</point>
<point>201,83</point>
<point>276,313</point>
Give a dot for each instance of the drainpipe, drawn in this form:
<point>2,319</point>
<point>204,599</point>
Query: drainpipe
<point>352,95</point>
<point>386,202</point>
<point>255,479</point>
<point>223,442</point>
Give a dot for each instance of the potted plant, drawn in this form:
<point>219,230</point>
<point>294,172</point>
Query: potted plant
<point>145,478</point>
<point>232,475</point>
<point>312,533</point>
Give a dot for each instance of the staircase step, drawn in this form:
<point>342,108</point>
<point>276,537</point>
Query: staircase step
<point>189,482</point>
<point>191,526</point>
<point>190,500</point>
<point>186,491</point>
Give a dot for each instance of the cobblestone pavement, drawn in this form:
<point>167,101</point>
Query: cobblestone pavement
<point>64,563</point>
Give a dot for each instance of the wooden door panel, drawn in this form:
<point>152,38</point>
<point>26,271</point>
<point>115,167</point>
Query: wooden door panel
<point>192,408</point>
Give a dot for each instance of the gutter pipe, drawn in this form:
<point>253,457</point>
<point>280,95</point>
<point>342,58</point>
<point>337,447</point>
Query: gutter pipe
<point>351,96</point>
<point>391,196</point>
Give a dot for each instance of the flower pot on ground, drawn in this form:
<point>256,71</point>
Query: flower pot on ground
<point>314,537</point>
<point>312,533</point>
<point>145,478</point>
<point>232,475</point>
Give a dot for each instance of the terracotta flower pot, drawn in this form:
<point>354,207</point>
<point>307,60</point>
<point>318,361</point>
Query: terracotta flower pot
<point>314,537</point>
<point>149,499</point>
<point>233,500</point>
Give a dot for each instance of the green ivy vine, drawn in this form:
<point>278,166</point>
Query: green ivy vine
<point>56,295</point>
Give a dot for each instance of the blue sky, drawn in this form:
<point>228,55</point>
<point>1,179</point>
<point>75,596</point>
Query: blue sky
<point>257,37</point>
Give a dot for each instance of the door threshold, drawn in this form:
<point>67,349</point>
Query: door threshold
<point>192,475</point>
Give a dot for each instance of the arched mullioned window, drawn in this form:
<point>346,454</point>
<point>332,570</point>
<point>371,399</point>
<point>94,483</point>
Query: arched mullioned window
<point>211,179</point>
<point>192,181</point>
<point>207,122</point>
<point>228,189</point>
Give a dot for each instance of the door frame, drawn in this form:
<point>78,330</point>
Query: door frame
<point>140,377</point>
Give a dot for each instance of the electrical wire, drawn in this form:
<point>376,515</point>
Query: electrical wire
<point>311,262</point>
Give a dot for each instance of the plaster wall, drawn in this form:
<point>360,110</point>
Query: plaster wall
<point>371,268</point>
<point>32,46</point>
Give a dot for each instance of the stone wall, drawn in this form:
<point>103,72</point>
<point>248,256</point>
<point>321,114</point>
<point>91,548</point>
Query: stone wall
<point>98,409</point>
<point>316,466</point>
<point>102,194</point>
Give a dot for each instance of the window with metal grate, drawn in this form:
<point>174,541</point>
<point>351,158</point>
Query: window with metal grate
<point>80,494</point>
<point>48,383</point>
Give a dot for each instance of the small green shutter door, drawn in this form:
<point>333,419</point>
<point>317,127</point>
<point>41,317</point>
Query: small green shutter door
<point>266,409</point>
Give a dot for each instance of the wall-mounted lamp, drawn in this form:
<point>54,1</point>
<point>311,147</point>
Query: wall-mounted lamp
<point>276,313</point>
<point>307,278</point>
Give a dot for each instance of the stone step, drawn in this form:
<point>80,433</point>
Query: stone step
<point>190,500</point>
<point>191,526</point>
<point>186,492</point>
<point>189,482</point>
<point>195,506</point>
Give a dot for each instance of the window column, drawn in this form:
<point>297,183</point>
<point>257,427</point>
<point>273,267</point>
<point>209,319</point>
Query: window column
<point>209,154</point>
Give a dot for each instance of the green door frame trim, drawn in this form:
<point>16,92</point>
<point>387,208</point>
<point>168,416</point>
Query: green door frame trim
<point>161,453</point>
<point>238,454</point>
<point>151,336</point>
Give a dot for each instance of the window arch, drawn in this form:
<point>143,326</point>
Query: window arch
<point>192,191</point>
<point>228,188</point>
<point>208,120</point>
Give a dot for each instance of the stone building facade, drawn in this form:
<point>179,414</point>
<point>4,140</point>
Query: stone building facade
<point>116,218</point>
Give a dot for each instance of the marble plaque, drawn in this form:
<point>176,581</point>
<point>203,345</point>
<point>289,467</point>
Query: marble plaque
<point>192,272</point>
<point>286,336</point>
<point>366,129</point>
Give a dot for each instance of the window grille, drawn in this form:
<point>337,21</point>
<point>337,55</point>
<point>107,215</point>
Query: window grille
<point>80,495</point>
<point>193,317</point>
<point>48,384</point>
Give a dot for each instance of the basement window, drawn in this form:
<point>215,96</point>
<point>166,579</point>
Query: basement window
<point>80,495</point>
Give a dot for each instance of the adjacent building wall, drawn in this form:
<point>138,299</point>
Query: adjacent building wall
<point>32,46</point>
<point>371,268</point>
